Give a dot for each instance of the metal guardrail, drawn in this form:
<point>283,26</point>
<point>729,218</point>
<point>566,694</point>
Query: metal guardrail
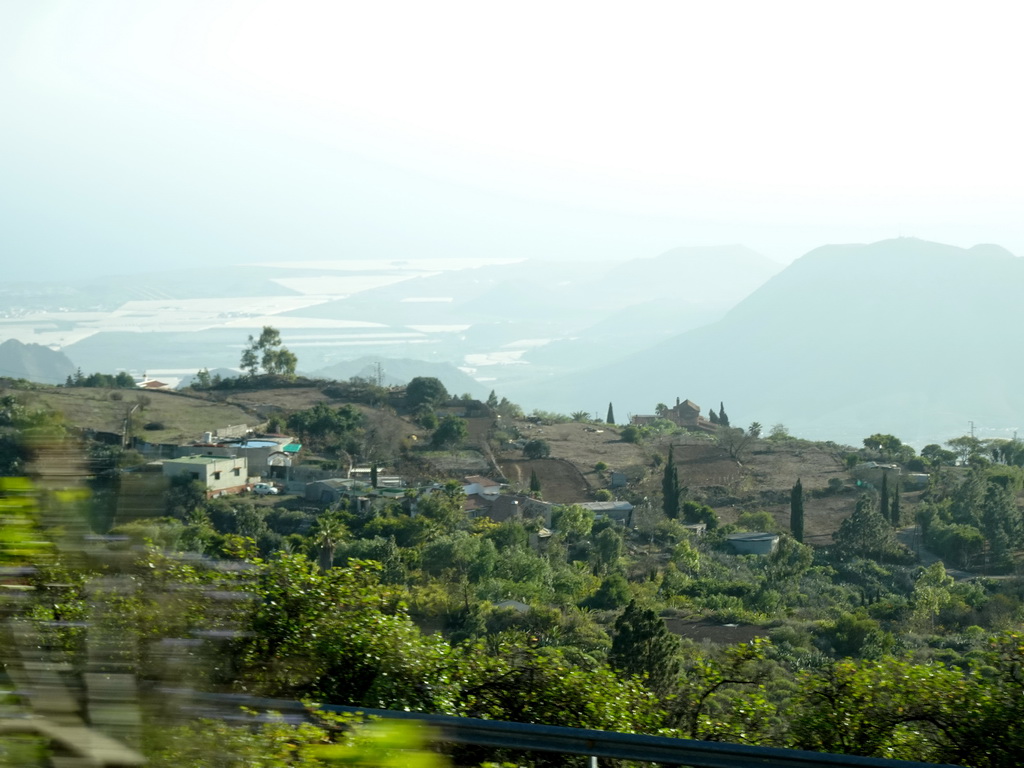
<point>579,741</point>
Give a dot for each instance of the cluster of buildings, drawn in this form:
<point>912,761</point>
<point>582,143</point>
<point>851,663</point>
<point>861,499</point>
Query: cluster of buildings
<point>232,464</point>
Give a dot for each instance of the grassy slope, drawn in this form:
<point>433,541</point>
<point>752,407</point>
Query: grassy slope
<point>185,418</point>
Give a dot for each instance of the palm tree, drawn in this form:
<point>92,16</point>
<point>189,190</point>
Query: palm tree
<point>328,532</point>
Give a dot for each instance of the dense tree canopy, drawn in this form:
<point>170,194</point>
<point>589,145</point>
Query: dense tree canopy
<point>425,390</point>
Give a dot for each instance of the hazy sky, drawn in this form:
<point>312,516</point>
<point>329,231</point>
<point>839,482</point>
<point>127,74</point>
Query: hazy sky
<point>143,134</point>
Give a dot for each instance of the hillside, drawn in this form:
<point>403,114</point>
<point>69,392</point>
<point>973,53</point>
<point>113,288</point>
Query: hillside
<point>835,346</point>
<point>34,362</point>
<point>104,410</point>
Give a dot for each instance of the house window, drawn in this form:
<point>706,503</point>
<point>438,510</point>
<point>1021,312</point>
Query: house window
<point>237,471</point>
<point>216,475</point>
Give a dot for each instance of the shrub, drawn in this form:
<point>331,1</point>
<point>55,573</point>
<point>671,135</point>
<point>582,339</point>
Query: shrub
<point>537,449</point>
<point>155,426</point>
<point>600,466</point>
<point>603,494</point>
<point>630,434</point>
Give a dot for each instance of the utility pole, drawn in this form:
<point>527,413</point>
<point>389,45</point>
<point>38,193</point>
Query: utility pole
<point>972,429</point>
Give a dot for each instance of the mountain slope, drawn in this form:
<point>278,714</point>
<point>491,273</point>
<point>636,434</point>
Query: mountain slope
<point>901,336</point>
<point>34,362</point>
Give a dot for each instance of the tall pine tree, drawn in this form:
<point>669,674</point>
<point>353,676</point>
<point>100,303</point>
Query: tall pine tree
<point>534,482</point>
<point>895,512</point>
<point>670,488</point>
<point>643,646</point>
<point>796,511</point>
<point>723,419</point>
<point>611,415</point>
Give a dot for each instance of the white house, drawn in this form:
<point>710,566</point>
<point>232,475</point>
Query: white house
<point>220,474</point>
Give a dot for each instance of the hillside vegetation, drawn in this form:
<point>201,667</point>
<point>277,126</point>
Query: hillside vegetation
<point>847,633</point>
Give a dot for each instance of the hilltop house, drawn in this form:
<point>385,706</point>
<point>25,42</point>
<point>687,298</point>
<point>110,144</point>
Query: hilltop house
<point>685,414</point>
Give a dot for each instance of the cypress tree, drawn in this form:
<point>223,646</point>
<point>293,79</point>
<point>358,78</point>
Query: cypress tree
<point>670,488</point>
<point>894,511</point>
<point>723,419</point>
<point>611,415</point>
<point>883,506</point>
<point>796,511</point>
<point>713,416</point>
<point>534,481</point>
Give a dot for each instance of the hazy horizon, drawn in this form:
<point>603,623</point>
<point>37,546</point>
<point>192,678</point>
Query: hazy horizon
<point>168,135</point>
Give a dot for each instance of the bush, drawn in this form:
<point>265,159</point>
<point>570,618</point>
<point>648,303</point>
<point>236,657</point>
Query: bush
<point>155,426</point>
<point>537,449</point>
<point>630,434</point>
<point>603,494</point>
<point>600,466</point>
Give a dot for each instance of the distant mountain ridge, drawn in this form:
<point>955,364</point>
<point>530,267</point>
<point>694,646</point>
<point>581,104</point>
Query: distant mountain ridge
<point>903,336</point>
<point>34,362</point>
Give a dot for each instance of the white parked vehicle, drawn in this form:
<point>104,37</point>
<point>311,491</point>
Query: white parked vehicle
<point>264,489</point>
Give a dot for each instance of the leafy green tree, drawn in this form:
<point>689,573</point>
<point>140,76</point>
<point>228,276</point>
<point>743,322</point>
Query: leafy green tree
<point>713,416</point>
<point>450,432</point>
<point>268,352</point>
<point>756,521</point>
<point>295,642</point>
<point>608,548</point>
<point>492,400</point>
<point>886,708</point>
<point>425,390</point>
<point>694,513</point>
<point>938,456</point>
<point>968,449</point>
<point>572,520</point>
<point>796,511</point>
<point>931,594</point>
<point>642,646</point>
<point>887,445</point>
<point>613,593</point>
<point>537,449</point>
<point>611,415</point>
<point>333,429</point>
<point>708,680</point>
